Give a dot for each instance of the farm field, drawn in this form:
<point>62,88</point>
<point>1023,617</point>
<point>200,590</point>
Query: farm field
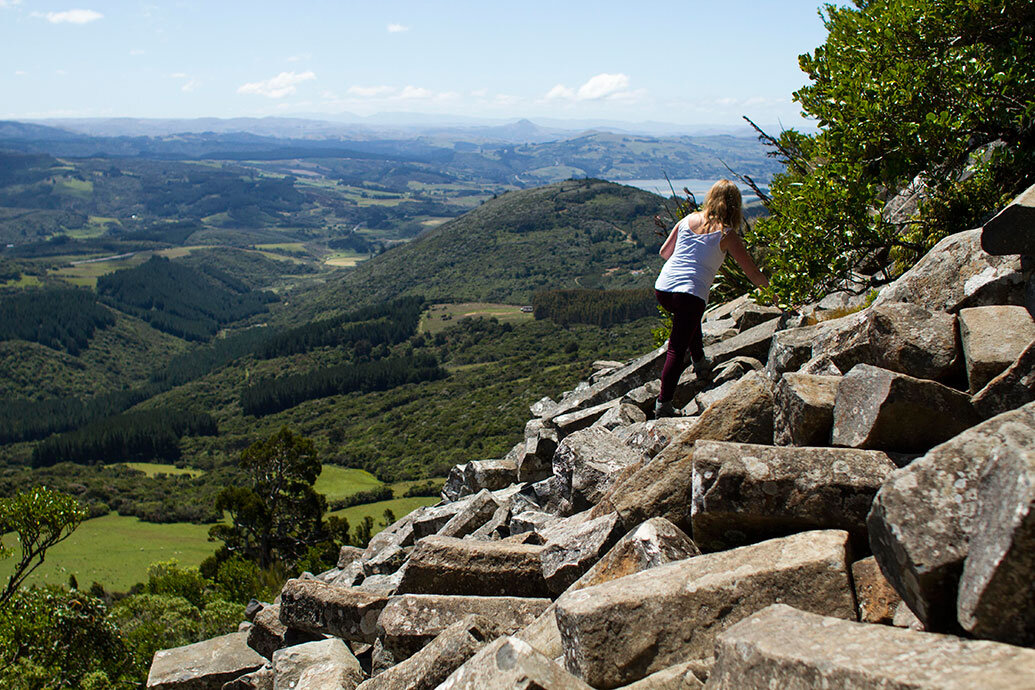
<point>153,468</point>
<point>345,259</point>
<point>398,506</point>
<point>439,317</point>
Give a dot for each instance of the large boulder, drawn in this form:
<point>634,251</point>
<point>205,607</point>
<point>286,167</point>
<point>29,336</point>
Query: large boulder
<point>473,514</point>
<point>613,386</point>
<point>267,634</point>
<point>571,551</point>
<point>587,462</point>
<point>490,474</point>
<point>744,414</point>
<point>204,665</point>
<point>446,565</point>
<point>318,607</point>
<point>922,518</point>
<point>993,338</point>
<point>744,493</point>
<point>411,621</point>
<point>1010,389</point>
<point>316,666</point>
<point>651,437</point>
<point>804,410</point>
<point>997,589</point>
<point>1012,230</point>
<point>623,630</point>
<point>511,663</point>
<point>782,647</point>
<point>881,409</point>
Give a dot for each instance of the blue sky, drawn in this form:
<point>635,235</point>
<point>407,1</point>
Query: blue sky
<point>687,63</point>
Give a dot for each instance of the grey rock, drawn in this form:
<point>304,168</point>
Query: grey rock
<point>348,555</point>
<point>905,618</point>
<point>268,634</point>
<point>753,342</point>
<point>744,493</point>
<point>316,666</point>
<point>444,565</point>
<point>433,664</point>
<point>997,589</point>
<point>781,647</point>
<point>623,414</point>
<point>474,513</point>
<point>531,521</point>
<point>876,598</point>
<point>1010,389</point>
<point>1012,230</point>
<point>724,310</point>
<point>718,330</point>
<point>256,680</point>
<point>614,386</point>
<point>552,495</point>
<point>744,413</point>
<point>411,621</point>
<point>651,437</point>
<point>456,484</point>
<point>922,517</point>
<point>804,410</point>
<point>749,315</point>
<point>385,585</point>
<point>430,519</point>
<point>510,662</point>
<point>581,418</point>
<point>624,630</point>
<point>882,409</point>
<point>820,366</point>
<point>570,552</point>
<point>684,676</point>
<point>204,665</point>
<point>317,607</point>
<point>993,338</point>
<point>587,462</point>
<point>494,528</point>
<point>535,464</point>
<point>644,396</point>
<point>381,659</point>
<point>490,474</point>
<point>397,535</point>
<point>542,407</point>
<point>709,397</point>
<point>252,608</point>
<point>955,274</point>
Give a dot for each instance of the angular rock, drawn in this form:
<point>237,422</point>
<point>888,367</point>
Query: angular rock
<point>804,413</point>
<point>922,518</point>
<point>316,666</point>
<point>993,338</point>
<point>996,598</point>
<point>651,437</point>
<point>256,680</point>
<point>386,561</point>
<point>268,634</point>
<point>749,315</point>
<point>494,528</point>
<point>684,676</point>
<point>745,414</point>
<point>347,555</point>
<point>876,598</point>
<point>396,535</point>
<point>433,664</point>
<point>587,462</point>
<point>430,519</point>
<point>626,629</point>
<point>569,553</point>
<point>474,513</point>
<point>444,565</point>
<point>781,647</point>
<point>581,418</point>
<point>754,342</point>
<point>380,658</point>
<point>1012,230</point>
<point>385,585</point>
<point>644,396</point>
<point>904,618</point>
<point>535,464</point>
<point>456,484</point>
<point>1010,389</point>
<point>542,407</point>
<point>490,474</point>
<point>531,521</point>
<point>636,373</point>
<point>716,331</point>
<point>881,409</point>
<point>724,310</point>
<point>623,414</point>
<point>203,665</point>
<point>955,274</point>
<point>744,493</point>
<point>411,621</point>
<point>317,607</point>
<point>511,663</point>
<point>706,398</point>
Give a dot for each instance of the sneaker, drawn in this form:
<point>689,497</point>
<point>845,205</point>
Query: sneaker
<point>703,368</point>
<point>663,409</point>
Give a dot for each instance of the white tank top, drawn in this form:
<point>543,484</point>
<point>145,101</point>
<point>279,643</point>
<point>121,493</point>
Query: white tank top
<point>694,261</point>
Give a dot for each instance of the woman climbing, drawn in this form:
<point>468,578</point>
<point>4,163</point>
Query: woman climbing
<point>693,252</point>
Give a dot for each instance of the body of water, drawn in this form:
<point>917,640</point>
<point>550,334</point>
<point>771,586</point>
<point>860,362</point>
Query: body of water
<point>697,186</point>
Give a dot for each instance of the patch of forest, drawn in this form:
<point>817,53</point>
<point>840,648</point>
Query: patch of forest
<point>597,307</point>
<point>62,319</point>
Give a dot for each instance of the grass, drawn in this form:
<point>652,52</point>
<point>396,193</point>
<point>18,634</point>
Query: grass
<point>25,281</point>
<point>152,468</point>
<point>345,259</point>
<point>439,317</point>
<point>289,246</point>
<point>337,482</point>
<point>116,551</point>
<point>86,274</point>
<point>398,506</point>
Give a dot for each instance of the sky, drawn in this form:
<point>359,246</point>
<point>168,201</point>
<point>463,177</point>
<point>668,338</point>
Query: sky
<point>689,63</point>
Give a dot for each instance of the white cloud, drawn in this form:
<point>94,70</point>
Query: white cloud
<point>72,17</point>
<point>397,28</point>
<point>603,86</point>
<point>560,92</point>
<point>190,85</point>
<point>415,93</point>
<point>9,3</point>
<point>20,73</point>
<point>284,84</point>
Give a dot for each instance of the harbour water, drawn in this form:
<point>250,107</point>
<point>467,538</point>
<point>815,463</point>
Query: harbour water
<point>698,186</point>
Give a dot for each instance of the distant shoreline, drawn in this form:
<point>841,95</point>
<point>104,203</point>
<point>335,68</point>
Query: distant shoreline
<point>698,186</point>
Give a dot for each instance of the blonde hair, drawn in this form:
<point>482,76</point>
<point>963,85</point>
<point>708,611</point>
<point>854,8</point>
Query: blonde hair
<point>722,206</point>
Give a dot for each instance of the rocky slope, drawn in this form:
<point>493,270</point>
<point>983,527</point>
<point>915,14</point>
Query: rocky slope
<point>845,504</point>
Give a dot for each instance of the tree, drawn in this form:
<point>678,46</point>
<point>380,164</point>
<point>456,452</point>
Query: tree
<point>279,515</point>
<point>41,518</point>
<point>936,95</point>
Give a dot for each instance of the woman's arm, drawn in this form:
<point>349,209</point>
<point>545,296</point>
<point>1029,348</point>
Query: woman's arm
<point>735,246</point>
<point>670,243</point>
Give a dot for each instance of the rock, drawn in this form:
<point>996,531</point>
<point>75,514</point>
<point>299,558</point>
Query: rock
<point>624,630</point>
<point>203,665</point>
<point>268,634</point>
<point>956,274</point>
<point>433,664</point>
<point>582,418</point>
<point>876,598</point>
<point>754,342</point>
<point>542,407</point>
<point>644,396</point>
<point>724,310</point>
<point>882,409</point>
<point>256,680</point>
<point>743,493</point>
<point>922,517</point>
<point>804,409</point>
<point>623,414</point>
<point>749,315</point>
<point>380,658</point>
<point>904,618</point>
<point>716,331</point>
<point>745,414</point>
<point>706,398</point>
<point>430,519</point>
<point>494,528</point>
<point>587,461</point>
<point>397,535</point>
<point>385,562</point>
<point>781,647</point>
<point>1010,389</point>
<point>1012,230</point>
<point>385,585</point>
<point>651,437</point>
<point>735,368</point>
<point>996,598</point>
<point>490,474</point>
<point>252,608</point>
<point>531,521</point>
<point>993,338</point>
<point>316,666</point>
<point>317,607</point>
<point>411,621</point>
<point>570,552</point>
<point>456,484</point>
<point>474,513</point>
<point>612,387</point>
<point>444,565</point>
<point>535,464</point>
<point>684,676</point>
<point>348,555</point>
<point>511,663</point>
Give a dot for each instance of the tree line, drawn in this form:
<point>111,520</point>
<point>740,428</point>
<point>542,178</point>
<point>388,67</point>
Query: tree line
<point>594,307</point>
<point>60,318</point>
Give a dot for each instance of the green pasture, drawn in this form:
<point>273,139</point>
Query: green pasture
<point>283,246</point>
<point>337,482</point>
<point>345,259</point>
<point>86,274</point>
<point>398,506</point>
<point>25,281</point>
<point>439,317</point>
<point>153,468</point>
<point>69,186</point>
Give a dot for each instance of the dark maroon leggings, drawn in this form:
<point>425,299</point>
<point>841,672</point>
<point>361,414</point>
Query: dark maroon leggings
<point>686,310</point>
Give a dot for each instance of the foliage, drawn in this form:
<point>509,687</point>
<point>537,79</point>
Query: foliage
<point>63,319</point>
<point>598,307</point>
<point>168,578</point>
<point>931,95</point>
<point>40,518</point>
<point>379,493</point>
<point>238,580</point>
